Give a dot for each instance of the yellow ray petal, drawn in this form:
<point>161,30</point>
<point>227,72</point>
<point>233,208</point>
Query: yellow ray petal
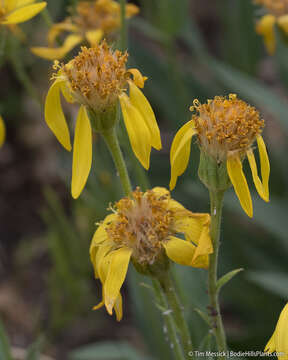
<point>204,248</point>
<point>9,5</point>
<point>238,179</point>
<point>58,53</point>
<point>54,116</point>
<point>98,306</point>
<point>24,13</point>
<point>270,347</point>
<point>94,36</point>
<point>2,131</point>
<point>67,92</point>
<point>180,251</point>
<point>138,78</point>
<point>20,3</point>
<point>82,153</point>
<point>140,102</point>
<point>265,27</point>
<point>57,29</point>
<point>138,132</point>
<point>258,184</point>
<point>265,165</point>
<point>116,275</point>
<point>118,307</point>
<point>180,151</point>
<point>283,22</point>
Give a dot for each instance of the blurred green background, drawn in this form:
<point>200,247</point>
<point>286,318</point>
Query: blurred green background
<point>188,49</point>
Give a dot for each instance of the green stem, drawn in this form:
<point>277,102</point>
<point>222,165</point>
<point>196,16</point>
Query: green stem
<point>175,305</point>
<point>123,31</point>
<point>216,202</point>
<point>111,139</point>
<point>169,320</point>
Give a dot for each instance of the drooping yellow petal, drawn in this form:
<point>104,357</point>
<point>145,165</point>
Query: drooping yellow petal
<point>116,275</point>
<point>180,251</point>
<point>94,36</point>
<point>67,92</point>
<point>238,179</point>
<point>54,116</point>
<point>24,13</point>
<point>98,306</point>
<point>265,165</point>
<point>138,132</point>
<point>140,102</point>
<point>57,29</point>
<point>20,3</point>
<point>138,78</point>
<point>60,52</point>
<point>265,27</point>
<point>204,248</point>
<point>278,341</point>
<point>82,153</point>
<point>118,307</point>
<point>180,151</point>
<point>2,131</point>
<point>270,347</point>
<point>258,184</point>
<point>283,22</point>
<point>9,5</point>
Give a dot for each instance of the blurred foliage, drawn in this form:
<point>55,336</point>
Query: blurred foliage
<point>188,49</point>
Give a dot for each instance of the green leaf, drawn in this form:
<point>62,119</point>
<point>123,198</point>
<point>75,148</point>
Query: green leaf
<point>225,278</point>
<point>203,315</point>
<point>274,282</point>
<point>4,344</point>
<point>106,351</point>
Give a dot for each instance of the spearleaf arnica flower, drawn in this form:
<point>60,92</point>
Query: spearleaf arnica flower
<point>277,14</point>
<point>226,129</point>
<point>97,79</point>
<point>145,229</point>
<point>18,11</point>
<point>279,340</point>
<point>92,21</point>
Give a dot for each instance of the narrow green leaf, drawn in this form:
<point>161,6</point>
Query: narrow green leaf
<point>4,344</point>
<point>227,277</point>
<point>203,315</point>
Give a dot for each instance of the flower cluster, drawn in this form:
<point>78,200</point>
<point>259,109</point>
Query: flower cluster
<point>97,79</point>
<point>226,129</point>
<point>91,22</point>
<point>277,14</point>
<point>143,228</point>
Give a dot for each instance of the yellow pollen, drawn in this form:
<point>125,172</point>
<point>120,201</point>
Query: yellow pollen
<point>97,76</point>
<point>226,125</point>
<point>274,7</point>
<point>101,14</point>
<point>143,223</point>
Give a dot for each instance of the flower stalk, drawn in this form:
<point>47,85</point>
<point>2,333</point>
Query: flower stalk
<point>216,203</point>
<point>174,304</point>
<point>169,320</point>
<point>111,139</point>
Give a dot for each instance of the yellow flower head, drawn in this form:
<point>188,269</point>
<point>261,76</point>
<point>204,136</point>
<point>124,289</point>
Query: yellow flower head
<point>143,228</point>
<point>279,340</point>
<point>97,79</point>
<point>18,11</point>
<point>277,13</point>
<point>226,129</point>
<point>92,21</point>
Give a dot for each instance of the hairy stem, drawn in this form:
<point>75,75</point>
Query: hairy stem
<point>216,202</point>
